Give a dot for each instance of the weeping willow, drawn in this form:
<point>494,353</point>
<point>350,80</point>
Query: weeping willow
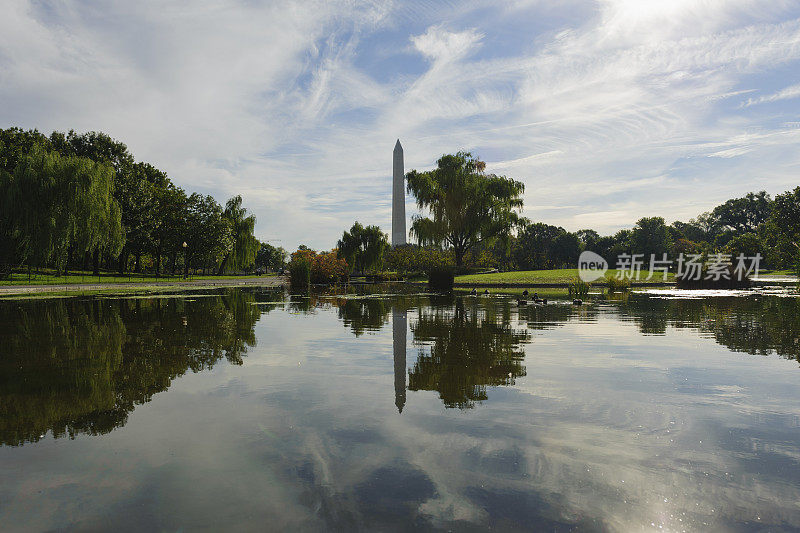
<point>245,244</point>
<point>57,203</point>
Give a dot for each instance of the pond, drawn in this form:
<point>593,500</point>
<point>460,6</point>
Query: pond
<point>250,409</point>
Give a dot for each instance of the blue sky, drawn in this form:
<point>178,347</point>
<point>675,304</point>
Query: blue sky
<point>607,110</point>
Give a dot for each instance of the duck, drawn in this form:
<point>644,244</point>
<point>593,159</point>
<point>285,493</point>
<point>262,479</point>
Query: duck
<point>525,292</point>
<point>577,301</point>
<point>544,301</point>
<point>474,292</point>
<point>486,292</point>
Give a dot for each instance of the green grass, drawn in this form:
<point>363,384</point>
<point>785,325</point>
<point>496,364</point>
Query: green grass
<point>104,277</point>
<point>564,275</point>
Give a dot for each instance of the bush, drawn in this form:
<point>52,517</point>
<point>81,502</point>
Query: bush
<point>327,267</point>
<point>299,274</point>
<point>441,278</point>
<point>618,285</point>
<point>578,288</point>
<point>410,258</point>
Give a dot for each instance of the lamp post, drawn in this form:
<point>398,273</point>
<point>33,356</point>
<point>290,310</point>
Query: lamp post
<point>185,264</point>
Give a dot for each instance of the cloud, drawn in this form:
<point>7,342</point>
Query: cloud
<point>786,93</point>
<point>297,105</point>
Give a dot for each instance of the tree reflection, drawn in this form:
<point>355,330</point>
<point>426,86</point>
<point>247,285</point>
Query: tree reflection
<point>753,325</point>
<point>470,349</point>
<point>80,366</point>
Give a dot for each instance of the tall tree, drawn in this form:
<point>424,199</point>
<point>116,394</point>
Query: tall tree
<point>466,205</point>
<point>783,228</point>
<point>650,237</point>
<point>245,244</point>
<point>744,214</point>
<point>57,202</point>
<point>363,247</point>
<point>208,233</point>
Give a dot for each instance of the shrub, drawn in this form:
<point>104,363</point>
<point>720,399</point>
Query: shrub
<point>410,258</point>
<point>299,274</point>
<point>327,267</point>
<point>618,285</point>
<point>578,288</point>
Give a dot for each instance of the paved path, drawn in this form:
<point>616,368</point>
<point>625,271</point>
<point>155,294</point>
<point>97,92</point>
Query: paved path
<point>266,281</point>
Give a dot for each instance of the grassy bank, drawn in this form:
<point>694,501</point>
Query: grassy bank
<point>564,275</point>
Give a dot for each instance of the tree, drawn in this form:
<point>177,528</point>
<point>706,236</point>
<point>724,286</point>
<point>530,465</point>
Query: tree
<point>245,244</point>
<point>363,247</point>
<point>588,238</point>
<point>744,214</point>
<point>58,202</point>
<point>650,237</point>
<point>466,205</point>
<point>168,232</point>
<point>208,233</point>
<point>783,228</point>
<point>541,246</point>
<point>270,257</point>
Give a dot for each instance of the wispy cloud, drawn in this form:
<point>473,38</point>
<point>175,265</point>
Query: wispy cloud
<point>786,93</point>
<point>611,108</point>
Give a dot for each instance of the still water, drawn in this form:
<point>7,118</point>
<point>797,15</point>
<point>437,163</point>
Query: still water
<point>241,410</point>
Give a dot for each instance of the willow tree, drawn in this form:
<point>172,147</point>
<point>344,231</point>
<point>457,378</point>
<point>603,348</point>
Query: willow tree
<point>245,244</point>
<point>363,247</point>
<point>466,206</point>
<point>58,203</point>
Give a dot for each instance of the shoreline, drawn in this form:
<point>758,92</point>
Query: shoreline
<point>267,281</point>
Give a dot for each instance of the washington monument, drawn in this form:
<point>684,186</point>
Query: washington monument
<point>398,198</point>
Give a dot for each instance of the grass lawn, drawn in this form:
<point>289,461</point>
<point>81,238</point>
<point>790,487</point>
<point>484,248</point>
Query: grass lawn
<point>564,275</point>
<point>47,278</point>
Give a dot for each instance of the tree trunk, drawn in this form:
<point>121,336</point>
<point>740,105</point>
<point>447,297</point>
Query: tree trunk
<point>96,269</point>
<point>158,261</point>
<point>222,265</point>
<point>123,259</point>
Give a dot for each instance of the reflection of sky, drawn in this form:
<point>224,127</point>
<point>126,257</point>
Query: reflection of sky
<point>607,430</point>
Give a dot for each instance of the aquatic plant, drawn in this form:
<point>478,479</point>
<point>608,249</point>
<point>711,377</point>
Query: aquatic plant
<point>578,288</point>
<point>617,285</point>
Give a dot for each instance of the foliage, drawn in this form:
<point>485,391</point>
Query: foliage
<point>242,255</point>
<point>542,246</point>
<point>328,267</point>
<point>783,227</point>
<point>615,284</point>
<point>270,257</point>
<point>650,237</point>
<point>324,267</point>
<point>363,248</point>
<point>56,203</point>
<point>146,216</point>
<point>466,205</point>
<point>415,259</point>
<point>300,273</point>
<point>743,214</point>
<point>578,288</point>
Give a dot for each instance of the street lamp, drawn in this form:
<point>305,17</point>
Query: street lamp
<point>185,264</point>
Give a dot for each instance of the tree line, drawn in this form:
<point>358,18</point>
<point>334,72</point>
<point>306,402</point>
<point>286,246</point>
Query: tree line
<point>79,201</point>
<point>474,220</point>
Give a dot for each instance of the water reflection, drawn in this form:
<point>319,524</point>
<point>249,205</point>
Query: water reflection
<point>82,365</point>
<point>753,325</point>
<point>465,350</point>
<point>599,427</point>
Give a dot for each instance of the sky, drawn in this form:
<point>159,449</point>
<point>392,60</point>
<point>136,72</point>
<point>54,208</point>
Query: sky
<point>607,110</point>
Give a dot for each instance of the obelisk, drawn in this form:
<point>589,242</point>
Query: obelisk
<point>398,198</point>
